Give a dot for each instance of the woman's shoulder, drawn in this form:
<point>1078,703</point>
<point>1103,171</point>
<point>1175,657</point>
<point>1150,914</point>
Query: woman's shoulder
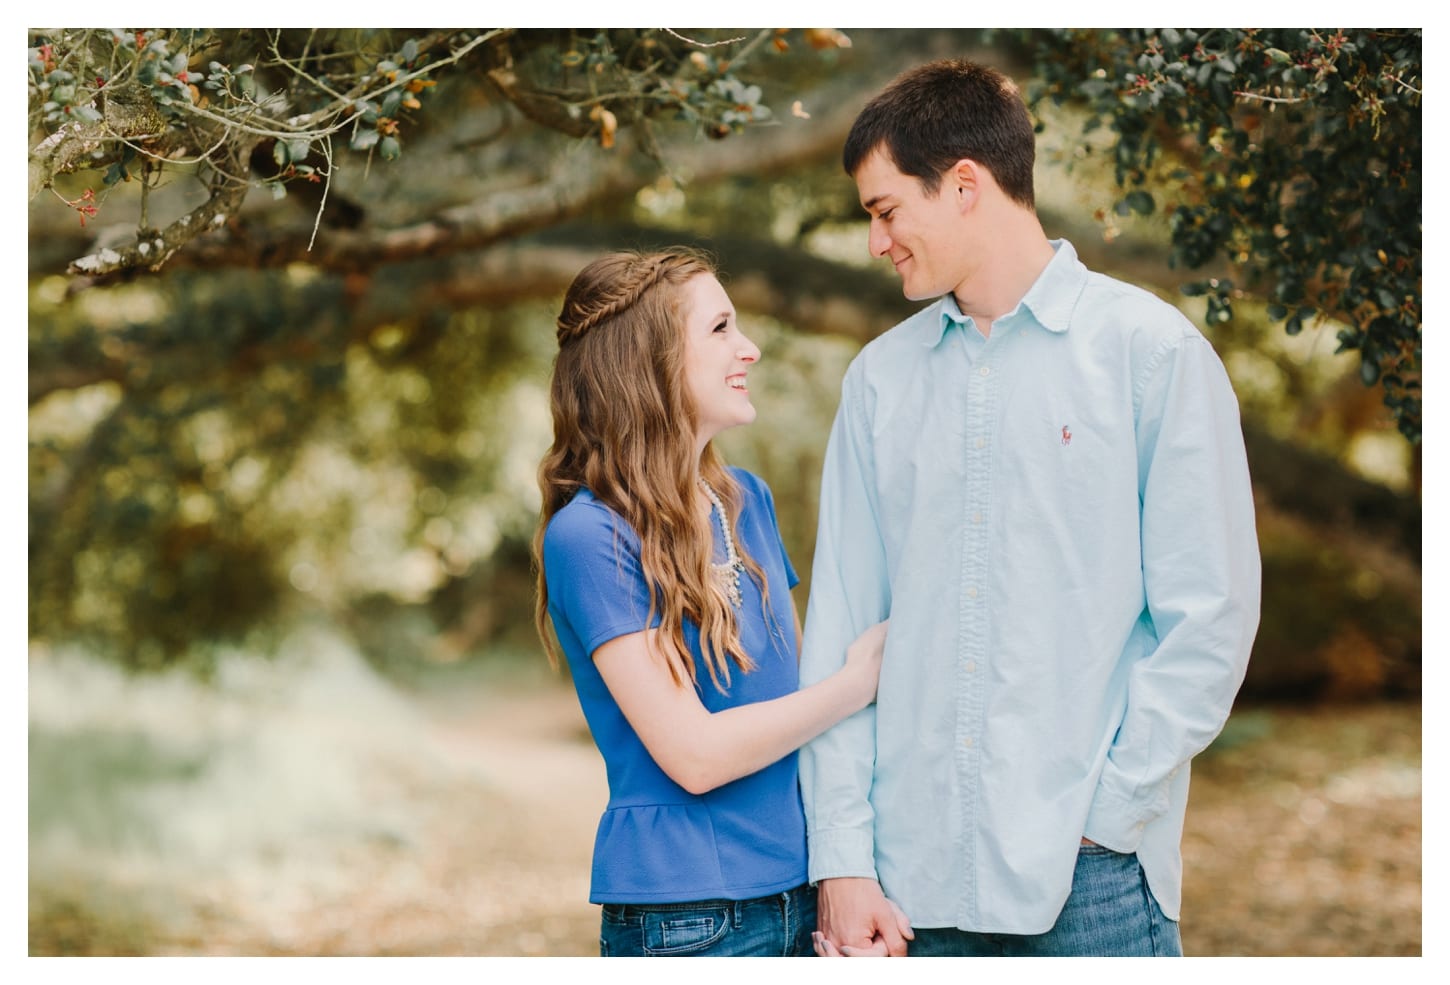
<point>582,520</point>
<point>756,492</point>
<point>749,482</point>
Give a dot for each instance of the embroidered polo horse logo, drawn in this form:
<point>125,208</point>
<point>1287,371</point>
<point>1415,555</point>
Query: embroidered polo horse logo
<point>1066,435</point>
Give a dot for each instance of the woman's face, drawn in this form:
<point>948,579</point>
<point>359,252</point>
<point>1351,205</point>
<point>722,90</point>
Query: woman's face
<point>716,358</point>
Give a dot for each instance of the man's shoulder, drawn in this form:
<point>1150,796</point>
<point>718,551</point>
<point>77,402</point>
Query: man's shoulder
<point>906,339</point>
<point>1115,303</point>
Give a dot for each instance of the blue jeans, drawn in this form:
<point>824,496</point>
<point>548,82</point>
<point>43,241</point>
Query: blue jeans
<point>770,926</point>
<point>1109,913</point>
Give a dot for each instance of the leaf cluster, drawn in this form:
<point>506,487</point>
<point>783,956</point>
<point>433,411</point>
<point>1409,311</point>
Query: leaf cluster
<point>242,108</point>
<point>1292,154</point>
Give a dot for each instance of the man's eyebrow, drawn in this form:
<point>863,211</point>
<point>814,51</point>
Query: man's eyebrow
<point>870,203</point>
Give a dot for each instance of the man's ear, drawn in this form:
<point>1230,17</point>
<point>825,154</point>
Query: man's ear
<point>965,181</point>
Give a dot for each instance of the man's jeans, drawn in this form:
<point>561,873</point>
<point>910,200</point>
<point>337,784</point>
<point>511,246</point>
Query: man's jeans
<point>770,926</point>
<point>1109,913</point>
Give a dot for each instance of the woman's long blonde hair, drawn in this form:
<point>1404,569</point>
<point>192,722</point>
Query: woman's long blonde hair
<point>624,428</point>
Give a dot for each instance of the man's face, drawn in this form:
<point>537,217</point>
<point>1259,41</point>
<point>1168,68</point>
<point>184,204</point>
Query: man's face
<point>921,235</point>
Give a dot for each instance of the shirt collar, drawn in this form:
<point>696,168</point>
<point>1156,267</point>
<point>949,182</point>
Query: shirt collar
<point>1049,302</point>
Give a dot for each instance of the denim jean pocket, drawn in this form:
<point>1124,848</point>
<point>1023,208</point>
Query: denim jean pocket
<point>684,932</point>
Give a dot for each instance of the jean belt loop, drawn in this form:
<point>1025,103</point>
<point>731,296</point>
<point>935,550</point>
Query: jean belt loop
<point>737,914</point>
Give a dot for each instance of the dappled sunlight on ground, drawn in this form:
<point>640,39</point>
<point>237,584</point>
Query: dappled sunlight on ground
<point>306,806</point>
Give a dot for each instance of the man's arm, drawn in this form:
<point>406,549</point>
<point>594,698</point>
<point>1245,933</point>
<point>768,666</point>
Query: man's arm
<point>849,587</point>
<point>1201,574</point>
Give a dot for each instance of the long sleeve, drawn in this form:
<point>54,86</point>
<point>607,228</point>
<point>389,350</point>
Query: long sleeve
<point>850,591</point>
<point>1201,576</point>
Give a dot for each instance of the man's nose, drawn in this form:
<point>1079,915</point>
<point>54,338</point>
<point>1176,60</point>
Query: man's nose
<point>878,242</point>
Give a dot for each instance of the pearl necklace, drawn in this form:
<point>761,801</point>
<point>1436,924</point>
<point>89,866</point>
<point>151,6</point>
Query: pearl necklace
<point>728,573</point>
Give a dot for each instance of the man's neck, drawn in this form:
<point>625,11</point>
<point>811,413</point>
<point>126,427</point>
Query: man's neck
<point>1005,275</point>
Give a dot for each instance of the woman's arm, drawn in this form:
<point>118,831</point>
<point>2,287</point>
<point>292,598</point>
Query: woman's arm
<point>701,750</point>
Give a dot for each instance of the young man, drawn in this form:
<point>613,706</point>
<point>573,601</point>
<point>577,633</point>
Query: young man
<point>1040,478</point>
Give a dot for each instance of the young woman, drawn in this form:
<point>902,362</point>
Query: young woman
<point>668,588</point>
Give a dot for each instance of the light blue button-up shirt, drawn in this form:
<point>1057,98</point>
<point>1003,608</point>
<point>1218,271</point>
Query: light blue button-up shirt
<point>1058,522</point>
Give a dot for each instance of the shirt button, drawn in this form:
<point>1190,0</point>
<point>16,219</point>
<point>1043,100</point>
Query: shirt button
<point>972,591</point>
<point>981,442</point>
<point>976,518</point>
<point>971,666</point>
<point>967,742</point>
<point>985,371</point>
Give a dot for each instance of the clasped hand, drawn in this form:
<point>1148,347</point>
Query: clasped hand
<point>856,910</point>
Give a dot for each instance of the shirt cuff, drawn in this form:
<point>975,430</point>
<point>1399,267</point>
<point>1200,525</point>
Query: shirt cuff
<point>1118,824</point>
<point>839,853</point>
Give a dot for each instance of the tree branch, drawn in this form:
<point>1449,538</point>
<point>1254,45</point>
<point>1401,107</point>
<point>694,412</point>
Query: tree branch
<point>578,182</point>
<point>153,251</point>
<point>70,147</point>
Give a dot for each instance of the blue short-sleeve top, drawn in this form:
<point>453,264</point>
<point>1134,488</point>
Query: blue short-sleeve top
<point>656,842</point>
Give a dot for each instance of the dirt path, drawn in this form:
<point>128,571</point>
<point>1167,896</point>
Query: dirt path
<point>506,870</point>
<point>1303,835</point>
<point>475,834</point>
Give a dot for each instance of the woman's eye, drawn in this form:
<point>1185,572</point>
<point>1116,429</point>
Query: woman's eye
<point>721,327</point>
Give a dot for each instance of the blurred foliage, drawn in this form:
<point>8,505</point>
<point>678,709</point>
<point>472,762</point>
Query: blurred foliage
<point>223,451</point>
<point>1338,622</point>
<point>1292,154</point>
<point>212,490</point>
<point>76,925</point>
<point>148,519</point>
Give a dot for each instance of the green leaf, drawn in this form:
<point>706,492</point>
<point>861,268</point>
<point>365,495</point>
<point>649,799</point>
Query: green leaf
<point>1140,202</point>
<point>390,149</point>
<point>1369,371</point>
<point>279,153</point>
<point>364,139</point>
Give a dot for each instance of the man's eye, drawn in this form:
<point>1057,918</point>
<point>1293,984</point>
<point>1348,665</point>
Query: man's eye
<point>887,215</point>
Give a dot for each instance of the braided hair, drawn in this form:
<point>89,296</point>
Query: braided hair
<point>624,428</point>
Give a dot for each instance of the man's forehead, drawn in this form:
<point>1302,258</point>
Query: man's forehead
<point>877,178</point>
